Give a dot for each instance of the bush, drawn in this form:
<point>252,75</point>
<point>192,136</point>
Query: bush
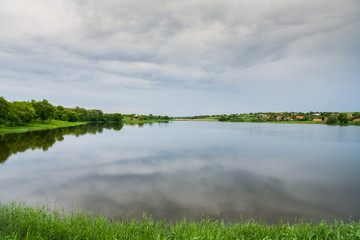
<point>331,120</point>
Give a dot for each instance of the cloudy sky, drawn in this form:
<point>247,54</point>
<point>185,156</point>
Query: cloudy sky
<point>182,57</point>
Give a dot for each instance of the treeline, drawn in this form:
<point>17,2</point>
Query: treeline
<point>23,112</point>
<point>145,117</point>
<point>330,118</point>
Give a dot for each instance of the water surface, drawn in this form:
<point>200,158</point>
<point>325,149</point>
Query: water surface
<point>225,170</point>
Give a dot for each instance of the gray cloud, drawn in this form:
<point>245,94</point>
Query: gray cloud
<point>233,48</point>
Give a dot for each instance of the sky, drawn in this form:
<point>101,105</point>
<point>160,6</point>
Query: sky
<point>181,58</point>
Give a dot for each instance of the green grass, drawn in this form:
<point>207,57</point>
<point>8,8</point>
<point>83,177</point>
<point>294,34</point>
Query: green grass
<point>18,221</point>
<point>37,126</point>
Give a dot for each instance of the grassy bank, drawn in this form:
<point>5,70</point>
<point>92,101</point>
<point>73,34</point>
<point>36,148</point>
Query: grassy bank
<point>18,221</point>
<point>37,126</point>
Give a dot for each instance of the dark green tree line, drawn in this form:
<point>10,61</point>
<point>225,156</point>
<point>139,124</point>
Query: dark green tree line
<point>19,113</point>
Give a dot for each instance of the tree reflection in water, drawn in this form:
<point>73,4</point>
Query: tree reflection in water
<point>20,142</point>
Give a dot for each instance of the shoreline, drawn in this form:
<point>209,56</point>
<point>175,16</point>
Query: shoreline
<point>136,121</point>
<point>52,124</point>
<point>276,122</point>
<point>38,126</point>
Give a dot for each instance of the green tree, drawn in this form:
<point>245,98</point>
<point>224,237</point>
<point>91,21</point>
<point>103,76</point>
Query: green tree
<point>332,120</point>
<point>356,115</point>
<point>223,118</point>
<point>4,110</point>
<point>71,116</point>
<point>117,117</point>
<point>25,111</point>
<point>43,109</point>
<point>59,113</point>
<point>343,118</point>
<point>13,115</point>
<point>94,115</point>
<point>81,113</point>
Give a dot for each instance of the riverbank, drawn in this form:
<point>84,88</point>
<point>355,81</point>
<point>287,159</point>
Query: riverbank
<point>277,122</point>
<point>38,126</point>
<point>137,121</point>
<point>197,119</point>
<point>18,221</point>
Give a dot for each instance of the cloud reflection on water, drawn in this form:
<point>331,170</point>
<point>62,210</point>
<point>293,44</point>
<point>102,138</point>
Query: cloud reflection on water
<point>212,191</point>
<point>230,171</point>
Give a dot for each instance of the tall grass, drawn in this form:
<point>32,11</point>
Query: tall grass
<point>18,221</point>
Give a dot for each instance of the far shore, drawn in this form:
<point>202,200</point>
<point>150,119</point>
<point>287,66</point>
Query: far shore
<point>276,122</point>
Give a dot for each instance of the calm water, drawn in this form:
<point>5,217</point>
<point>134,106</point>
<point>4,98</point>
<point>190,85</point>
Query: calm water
<point>171,170</point>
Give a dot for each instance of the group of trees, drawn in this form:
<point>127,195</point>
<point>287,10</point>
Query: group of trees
<point>22,112</point>
<point>147,117</point>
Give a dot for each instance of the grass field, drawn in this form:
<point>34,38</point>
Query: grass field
<point>18,221</point>
<point>37,126</point>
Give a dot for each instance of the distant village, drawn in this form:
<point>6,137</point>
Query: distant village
<point>331,118</point>
<point>316,117</point>
<point>323,117</point>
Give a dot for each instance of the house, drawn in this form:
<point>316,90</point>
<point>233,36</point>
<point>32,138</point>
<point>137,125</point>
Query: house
<point>266,116</point>
<point>356,120</point>
<point>278,118</point>
<point>317,120</point>
<point>300,117</point>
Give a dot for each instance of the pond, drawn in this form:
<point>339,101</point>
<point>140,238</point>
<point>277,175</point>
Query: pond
<point>173,170</point>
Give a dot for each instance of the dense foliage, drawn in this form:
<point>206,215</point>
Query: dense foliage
<point>20,113</point>
<point>18,221</point>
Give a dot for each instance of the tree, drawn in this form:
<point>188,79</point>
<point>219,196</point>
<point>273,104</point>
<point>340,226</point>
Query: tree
<point>117,117</point>
<point>13,115</point>
<point>332,120</point>
<point>71,116</point>
<point>44,110</point>
<point>94,115</point>
<point>223,118</point>
<point>60,113</point>
<point>25,110</point>
<point>4,109</point>
<point>343,118</point>
<point>81,113</point>
<point>356,115</point>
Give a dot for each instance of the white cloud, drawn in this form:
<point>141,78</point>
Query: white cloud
<point>223,47</point>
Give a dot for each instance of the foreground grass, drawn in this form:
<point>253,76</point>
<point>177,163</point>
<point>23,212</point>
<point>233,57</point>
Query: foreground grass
<point>18,221</point>
<point>37,126</point>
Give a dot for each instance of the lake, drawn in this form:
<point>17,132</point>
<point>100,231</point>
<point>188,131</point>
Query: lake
<point>189,169</point>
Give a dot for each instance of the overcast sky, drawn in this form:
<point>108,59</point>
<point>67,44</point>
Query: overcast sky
<point>182,57</point>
